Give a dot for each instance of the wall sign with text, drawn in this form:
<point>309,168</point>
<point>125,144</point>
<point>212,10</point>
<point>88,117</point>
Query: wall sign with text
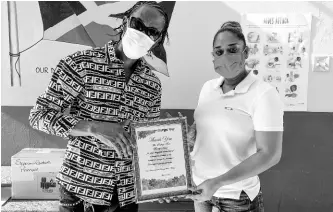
<point>279,47</point>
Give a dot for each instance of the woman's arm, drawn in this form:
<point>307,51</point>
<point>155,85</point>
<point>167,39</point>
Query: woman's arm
<point>268,125</point>
<point>269,150</point>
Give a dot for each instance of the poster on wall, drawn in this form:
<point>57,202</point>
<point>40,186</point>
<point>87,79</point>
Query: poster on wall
<point>279,47</point>
<point>38,34</point>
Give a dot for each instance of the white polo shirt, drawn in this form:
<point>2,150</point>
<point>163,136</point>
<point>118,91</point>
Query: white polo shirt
<point>225,130</point>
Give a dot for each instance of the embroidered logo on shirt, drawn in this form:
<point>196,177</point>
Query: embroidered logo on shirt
<point>237,110</point>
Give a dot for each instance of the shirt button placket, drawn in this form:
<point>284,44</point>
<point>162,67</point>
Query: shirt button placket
<point>122,105</point>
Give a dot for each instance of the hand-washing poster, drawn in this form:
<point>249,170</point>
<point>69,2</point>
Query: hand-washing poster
<point>279,47</point>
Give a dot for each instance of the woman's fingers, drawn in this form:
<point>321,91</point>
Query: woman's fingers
<point>175,199</point>
<point>167,200</point>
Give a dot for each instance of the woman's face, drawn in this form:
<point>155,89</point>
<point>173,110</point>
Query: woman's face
<point>229,55</point>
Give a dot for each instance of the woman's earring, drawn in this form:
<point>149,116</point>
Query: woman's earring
<point>246,52</point>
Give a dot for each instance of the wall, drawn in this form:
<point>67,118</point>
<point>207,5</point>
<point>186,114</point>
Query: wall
<point>302,181</point>
<point>191,35</point>
<point>189,52</point>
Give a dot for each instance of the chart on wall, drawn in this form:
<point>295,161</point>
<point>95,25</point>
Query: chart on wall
<point>279,47</point>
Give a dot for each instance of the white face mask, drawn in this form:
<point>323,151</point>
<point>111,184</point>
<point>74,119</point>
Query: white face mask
<point>136,44</point>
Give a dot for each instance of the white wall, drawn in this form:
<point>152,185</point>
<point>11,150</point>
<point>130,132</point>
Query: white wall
<point>191,31</point>
<point>46,54</point>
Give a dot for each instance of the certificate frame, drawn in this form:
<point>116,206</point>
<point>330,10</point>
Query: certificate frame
<point>164,125</point>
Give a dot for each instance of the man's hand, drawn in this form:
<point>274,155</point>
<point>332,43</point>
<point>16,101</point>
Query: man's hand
<point>114,135</point>
<point>192,132</point>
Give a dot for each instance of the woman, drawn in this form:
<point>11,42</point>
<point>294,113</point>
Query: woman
<point>100,86</point>
<point>239,123</point>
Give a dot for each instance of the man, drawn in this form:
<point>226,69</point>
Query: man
<point>105,88</point>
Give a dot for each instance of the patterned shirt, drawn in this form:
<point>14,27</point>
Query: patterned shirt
<point>92,84</point>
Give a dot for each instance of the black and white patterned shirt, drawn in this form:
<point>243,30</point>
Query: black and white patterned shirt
<point>92,84</point>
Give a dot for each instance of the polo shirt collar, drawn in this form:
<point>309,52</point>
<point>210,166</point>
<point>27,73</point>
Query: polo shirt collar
<point>242,87</point>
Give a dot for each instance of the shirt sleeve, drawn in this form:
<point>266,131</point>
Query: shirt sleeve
<point>48,114</point>
<point>155,111</point>
<point>268,112</point>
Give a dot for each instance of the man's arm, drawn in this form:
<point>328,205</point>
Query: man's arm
<point>48,115</point>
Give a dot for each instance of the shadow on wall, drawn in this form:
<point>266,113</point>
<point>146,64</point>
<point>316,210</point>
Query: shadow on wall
<point>17,134</point>
<point>323,7</point>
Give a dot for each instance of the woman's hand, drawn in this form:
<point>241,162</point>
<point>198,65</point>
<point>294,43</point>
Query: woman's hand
<point>168,199</point>
<point>204,191</point>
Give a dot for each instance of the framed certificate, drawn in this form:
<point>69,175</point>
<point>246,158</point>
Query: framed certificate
<point>161,159</point>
